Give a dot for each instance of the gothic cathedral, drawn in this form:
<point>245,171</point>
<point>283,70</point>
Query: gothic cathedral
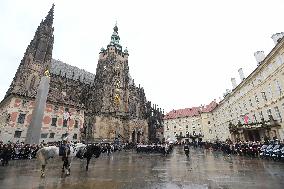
<point>105,106</point>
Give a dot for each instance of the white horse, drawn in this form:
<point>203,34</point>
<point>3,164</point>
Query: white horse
<point>48,152</point>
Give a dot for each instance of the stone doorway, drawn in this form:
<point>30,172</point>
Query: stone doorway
<point>253,135</point>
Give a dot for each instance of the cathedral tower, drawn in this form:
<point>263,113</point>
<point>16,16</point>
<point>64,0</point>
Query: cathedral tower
<point>36,60</point>
<point>112,79</point>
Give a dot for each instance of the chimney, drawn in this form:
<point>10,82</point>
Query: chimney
<point>234,83</point>
<point>227,91</point>
<point>241,73</point>
<point>277,36</point>
<point>259,56</point>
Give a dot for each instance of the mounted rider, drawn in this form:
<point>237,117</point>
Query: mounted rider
<point>64,151</point>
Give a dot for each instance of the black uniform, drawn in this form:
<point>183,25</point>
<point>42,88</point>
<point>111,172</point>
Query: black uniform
<point>6,155</point>
<point>186,150</point>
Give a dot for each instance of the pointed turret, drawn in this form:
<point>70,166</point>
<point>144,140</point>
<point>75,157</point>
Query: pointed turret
<point>36,60</point>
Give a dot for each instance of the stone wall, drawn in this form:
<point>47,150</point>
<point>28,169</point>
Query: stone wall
<point>18,112</point>
<point>107,128</point>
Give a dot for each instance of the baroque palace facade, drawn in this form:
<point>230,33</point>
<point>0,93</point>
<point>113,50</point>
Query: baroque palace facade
<point>103,107</point>
<point>253,110</point>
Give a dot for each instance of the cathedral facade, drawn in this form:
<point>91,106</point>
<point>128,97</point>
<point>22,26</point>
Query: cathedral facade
<point>105,106</point>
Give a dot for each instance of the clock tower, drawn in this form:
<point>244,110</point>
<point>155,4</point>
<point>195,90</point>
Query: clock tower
<point>115,107</point>
<point>112,79</point>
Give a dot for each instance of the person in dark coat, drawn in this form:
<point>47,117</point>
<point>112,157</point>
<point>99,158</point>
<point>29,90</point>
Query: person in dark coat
<point>65,156</point>
<point>108,149</point>
<point>6,154</point>
<point>186,149</point>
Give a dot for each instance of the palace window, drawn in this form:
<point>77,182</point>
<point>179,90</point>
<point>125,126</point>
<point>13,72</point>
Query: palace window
<point>278,114</point>
<point>43,135</point>
<point>253,118</point>
<point>278,88</point>
<point>24,103</point>
<point>250,103</point>
<point>55,108</point>
<point>261,115</point>
<point>21,118</point>
<point>264,96</point>
<point>53,121</point>
<point>269,112</point>
<point>51,135</point>
<point>75,136</point>
<point>64,135</point>
<point>17,134</point>
<point>256,99</point>
<point>270,94</point>
<point>279,60</point>
<point>76,124</point>
<point>64,122</point>
<point>8,118</point>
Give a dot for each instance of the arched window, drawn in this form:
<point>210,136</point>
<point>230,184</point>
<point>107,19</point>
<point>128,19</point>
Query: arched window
<point>32,83</point>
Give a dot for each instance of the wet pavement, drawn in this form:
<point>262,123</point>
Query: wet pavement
<point>129,170</point>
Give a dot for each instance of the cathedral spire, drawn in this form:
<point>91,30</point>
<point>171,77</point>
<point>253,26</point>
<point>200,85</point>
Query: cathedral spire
<point>49,18</point>
<point>36,60</point>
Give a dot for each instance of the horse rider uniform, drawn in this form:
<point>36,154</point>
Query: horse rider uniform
<point>66,155</point>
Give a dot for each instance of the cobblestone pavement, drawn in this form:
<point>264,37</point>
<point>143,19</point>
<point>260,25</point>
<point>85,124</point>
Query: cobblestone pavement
<point>129,170</point>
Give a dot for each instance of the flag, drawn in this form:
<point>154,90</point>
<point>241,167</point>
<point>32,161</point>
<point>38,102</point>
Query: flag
<point>246,119</point>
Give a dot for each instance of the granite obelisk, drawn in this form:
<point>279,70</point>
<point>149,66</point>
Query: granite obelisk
<point>34,130</point>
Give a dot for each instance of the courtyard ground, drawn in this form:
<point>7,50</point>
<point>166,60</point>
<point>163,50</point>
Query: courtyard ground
<point>129,170</point>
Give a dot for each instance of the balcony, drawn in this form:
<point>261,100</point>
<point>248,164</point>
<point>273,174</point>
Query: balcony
<point>263,124</point>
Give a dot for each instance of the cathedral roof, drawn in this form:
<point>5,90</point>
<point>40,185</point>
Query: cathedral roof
<point>60,68</point>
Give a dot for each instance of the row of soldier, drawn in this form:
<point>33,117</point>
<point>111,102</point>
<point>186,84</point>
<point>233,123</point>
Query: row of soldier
<point>155,148</point>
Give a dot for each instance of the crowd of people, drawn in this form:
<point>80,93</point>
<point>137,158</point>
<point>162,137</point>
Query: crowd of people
<point>270,149</point>
<point>20,150</point>
<point>16,151</point>
<point>273,149</point>
<point>155,148</point>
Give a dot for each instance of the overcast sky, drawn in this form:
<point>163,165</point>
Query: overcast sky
<point>183,53</point>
